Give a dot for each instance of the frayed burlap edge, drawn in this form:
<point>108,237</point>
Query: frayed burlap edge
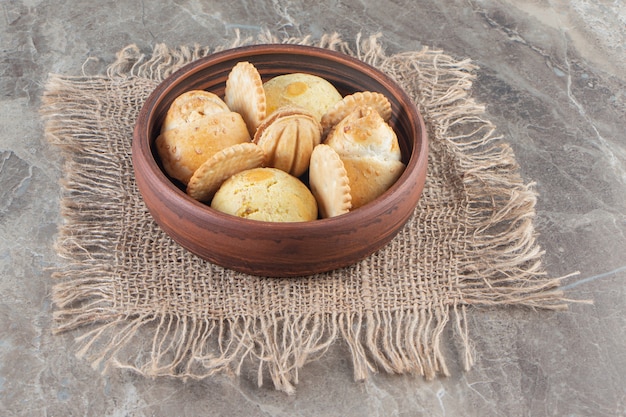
<point>502,264</point>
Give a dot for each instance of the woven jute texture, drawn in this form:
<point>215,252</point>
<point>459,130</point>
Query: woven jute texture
<point>137,300</point>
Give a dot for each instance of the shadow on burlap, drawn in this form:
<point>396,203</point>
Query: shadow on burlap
<point>137,300</point>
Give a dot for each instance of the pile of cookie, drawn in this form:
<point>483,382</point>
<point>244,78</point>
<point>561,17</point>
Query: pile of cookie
<point>252,153</point>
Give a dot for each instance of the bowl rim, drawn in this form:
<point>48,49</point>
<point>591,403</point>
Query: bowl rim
<point>417,160</point>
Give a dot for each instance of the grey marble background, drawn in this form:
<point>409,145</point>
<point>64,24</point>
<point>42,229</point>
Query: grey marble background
<point>552,74</point>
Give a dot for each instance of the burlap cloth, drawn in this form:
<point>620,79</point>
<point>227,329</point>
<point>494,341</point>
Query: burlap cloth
<point>137,300</point>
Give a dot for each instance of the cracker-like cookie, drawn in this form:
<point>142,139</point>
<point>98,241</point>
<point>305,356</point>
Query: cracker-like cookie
<point>224,164</point>
<point>244,94</point>
<point>350,102</point>
<point>190,106</point>
<point>329,182</point>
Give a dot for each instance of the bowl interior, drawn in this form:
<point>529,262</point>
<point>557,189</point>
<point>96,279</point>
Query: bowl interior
<point>345,73</point>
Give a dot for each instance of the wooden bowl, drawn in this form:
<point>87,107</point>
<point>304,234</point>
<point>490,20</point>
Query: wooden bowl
<point>268,248</point>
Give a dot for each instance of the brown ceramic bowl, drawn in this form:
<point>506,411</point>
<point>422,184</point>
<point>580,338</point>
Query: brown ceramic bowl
<point>280,249</point>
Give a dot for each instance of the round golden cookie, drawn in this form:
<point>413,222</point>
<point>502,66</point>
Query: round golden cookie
<point>192,105</point>
<point>288,137</point>
<point>266,194</point>
<point>184,149</point>
<point>329,182</point>
<point>351,102</point>
<point>244,94</point>
<point>224,164</point>
<point>311,92</point>
<point>364,132</point>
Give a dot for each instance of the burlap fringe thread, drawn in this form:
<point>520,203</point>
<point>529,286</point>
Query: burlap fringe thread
<point>502,264</point>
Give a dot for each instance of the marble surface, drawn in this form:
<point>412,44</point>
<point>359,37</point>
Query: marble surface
<point>552,74</point>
